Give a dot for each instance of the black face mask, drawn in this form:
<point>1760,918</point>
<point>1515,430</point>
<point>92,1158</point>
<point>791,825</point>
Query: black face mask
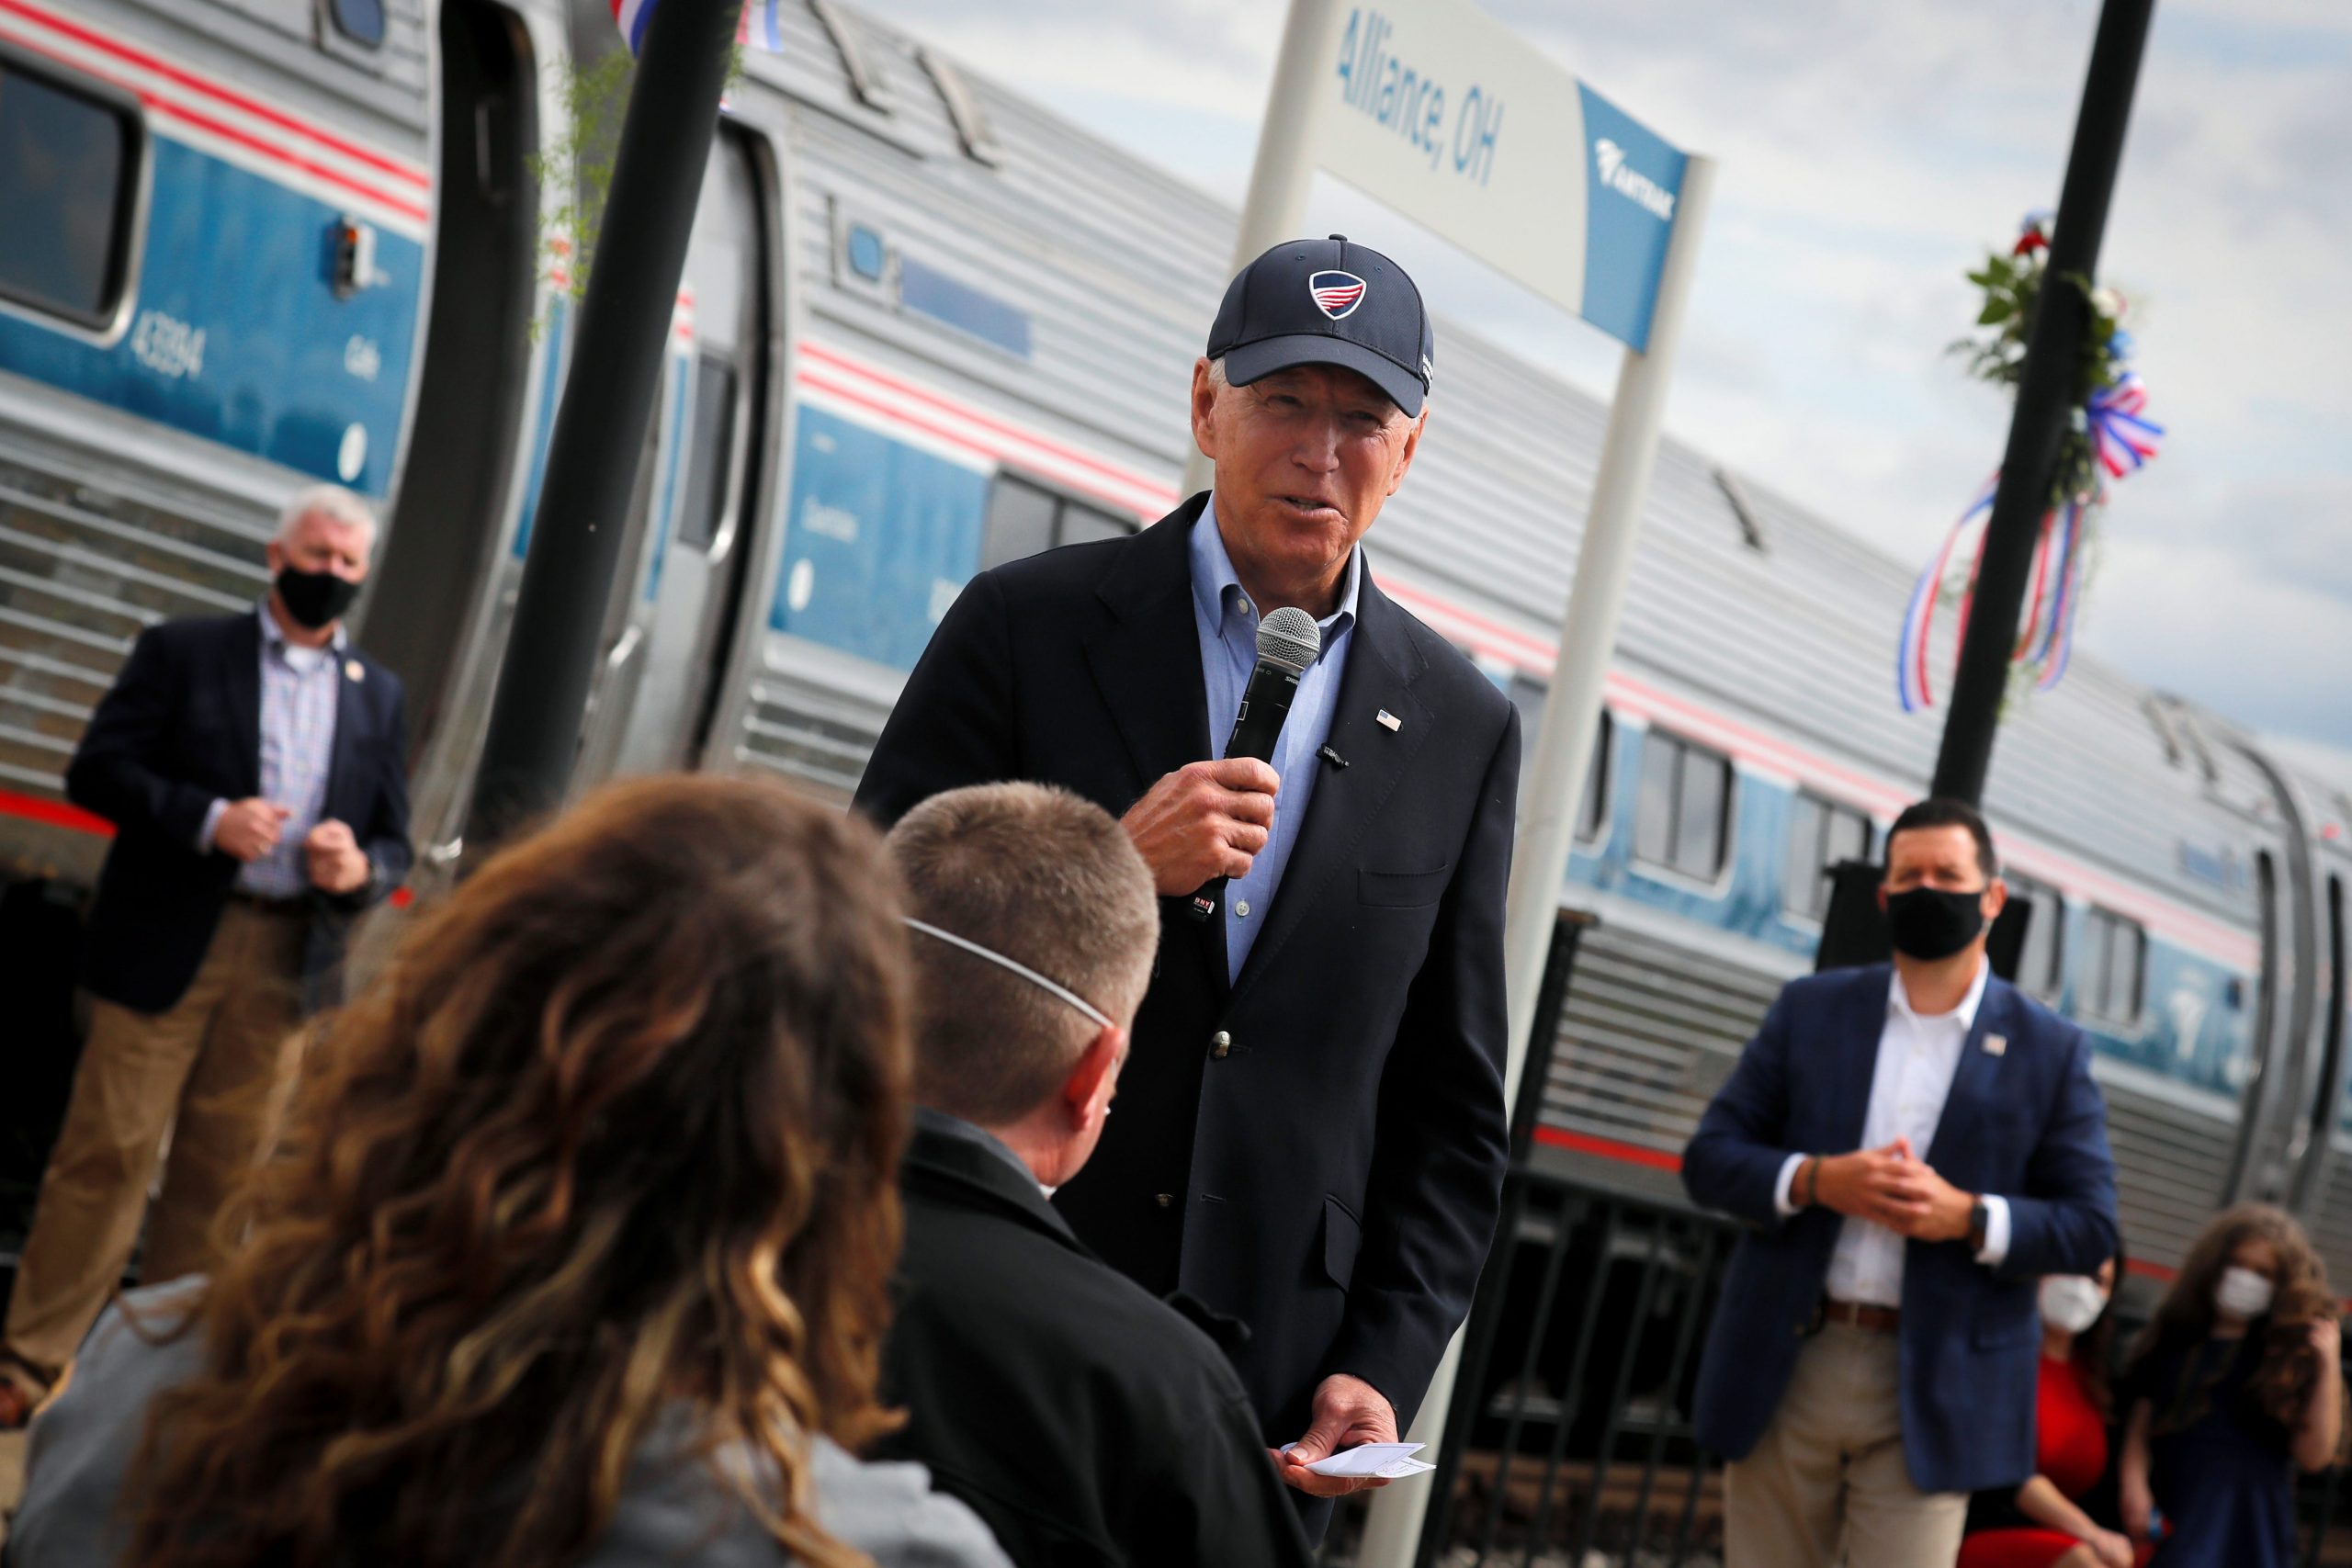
<point>1929,923</point>
<point>315,598</point>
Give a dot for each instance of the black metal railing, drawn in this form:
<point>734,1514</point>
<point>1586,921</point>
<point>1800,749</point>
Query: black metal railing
<point>1569,1433</point>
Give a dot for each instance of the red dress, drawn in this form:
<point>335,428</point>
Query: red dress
<point>2070,1448</point>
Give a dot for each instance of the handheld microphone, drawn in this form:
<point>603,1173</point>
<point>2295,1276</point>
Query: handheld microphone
<point>1288,640</point>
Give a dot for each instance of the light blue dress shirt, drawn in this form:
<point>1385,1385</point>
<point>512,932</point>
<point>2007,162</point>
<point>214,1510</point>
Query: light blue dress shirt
<point>298,689</point>
<point>1228,622</point>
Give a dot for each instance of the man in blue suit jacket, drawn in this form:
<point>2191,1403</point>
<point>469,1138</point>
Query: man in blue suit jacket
<point>1915,1147</point>
<point>254,768</point>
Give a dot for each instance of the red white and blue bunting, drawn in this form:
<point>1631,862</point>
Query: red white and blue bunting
<point>2112,438</point>
<point>758,29</point>
<point>2046,633</point>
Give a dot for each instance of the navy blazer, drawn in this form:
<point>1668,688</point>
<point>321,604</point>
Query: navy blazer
<point>180,729</point>
<point>1330,1176</point>
<point>2024,1121</point>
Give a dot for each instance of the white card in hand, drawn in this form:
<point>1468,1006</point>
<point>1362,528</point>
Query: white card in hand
<point>1388,1460</point>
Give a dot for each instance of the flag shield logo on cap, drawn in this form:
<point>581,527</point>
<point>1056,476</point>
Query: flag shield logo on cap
<point>1336,294</point>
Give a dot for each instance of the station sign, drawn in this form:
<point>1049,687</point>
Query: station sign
<point>1436,109</point>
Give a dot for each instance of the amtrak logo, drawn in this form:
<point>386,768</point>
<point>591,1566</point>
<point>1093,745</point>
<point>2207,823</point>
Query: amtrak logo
<point>1631,183</point>
<point>1336,294</point>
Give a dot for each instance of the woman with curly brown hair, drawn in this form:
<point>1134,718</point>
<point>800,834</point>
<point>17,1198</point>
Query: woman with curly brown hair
<point>575,1250</point>
<point>2234,1383</point>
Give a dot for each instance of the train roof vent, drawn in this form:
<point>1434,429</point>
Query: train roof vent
<point>963,109</point>
<point>865,79</point>
<point>1751,532</point>
<point>2161,721</point>
<point>2193,737</point>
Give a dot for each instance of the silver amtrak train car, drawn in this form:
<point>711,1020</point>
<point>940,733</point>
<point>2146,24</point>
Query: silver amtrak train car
<point>927,327</point>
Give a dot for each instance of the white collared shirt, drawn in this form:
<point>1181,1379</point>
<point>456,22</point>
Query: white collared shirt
<point>1919,1054</point>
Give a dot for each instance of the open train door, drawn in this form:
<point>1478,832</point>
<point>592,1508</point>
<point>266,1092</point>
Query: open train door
<point>455,493</point>
<point>706,537</point>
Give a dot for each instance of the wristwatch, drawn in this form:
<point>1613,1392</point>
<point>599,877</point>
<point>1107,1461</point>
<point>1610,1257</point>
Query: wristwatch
<point>1980,1222</point>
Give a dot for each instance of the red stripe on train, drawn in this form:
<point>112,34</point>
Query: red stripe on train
<point>828,354</point>
<point>406,173</point>
<point>810,377</point>
<point>1608,1148</point>
<point>53,813</point>
<point>61,813</point>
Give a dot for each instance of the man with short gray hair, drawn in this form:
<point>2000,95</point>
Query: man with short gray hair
<point>1083,1419</point>
<point>254,770</point>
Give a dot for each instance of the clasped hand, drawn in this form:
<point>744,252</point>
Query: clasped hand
<point>1894,1188</point>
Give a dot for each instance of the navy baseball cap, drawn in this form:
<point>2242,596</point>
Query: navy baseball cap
<point>1325,302</point>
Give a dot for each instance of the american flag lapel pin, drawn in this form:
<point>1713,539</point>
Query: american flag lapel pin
<point>1997,1044</point>
<point>1389,721</point>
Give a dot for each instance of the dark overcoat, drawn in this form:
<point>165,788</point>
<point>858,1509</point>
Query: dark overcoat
<point>1089,1424</point>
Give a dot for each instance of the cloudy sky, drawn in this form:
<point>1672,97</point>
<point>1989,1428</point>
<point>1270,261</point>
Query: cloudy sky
<point>1869,151</point>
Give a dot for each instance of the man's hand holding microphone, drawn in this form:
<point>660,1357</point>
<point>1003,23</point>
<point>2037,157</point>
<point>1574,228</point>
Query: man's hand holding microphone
<point>1205,820</point>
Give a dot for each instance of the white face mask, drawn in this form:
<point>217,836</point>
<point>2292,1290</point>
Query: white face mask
<point>2242,1293</point>
<point>2072,1302</point>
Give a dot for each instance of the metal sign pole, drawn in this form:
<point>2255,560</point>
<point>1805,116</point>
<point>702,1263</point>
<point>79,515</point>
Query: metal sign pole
<point>1562,752</point>
<point>1285,170</point>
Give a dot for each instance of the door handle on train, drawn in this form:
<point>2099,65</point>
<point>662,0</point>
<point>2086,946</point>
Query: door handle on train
<point>624,648</point>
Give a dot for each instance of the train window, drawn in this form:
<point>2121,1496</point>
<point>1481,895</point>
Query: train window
<point>1083,525</point>
<point>1682,818</point>
<point>1592,812</point>
<point>361,21</point>
<point>69,165</point>
<point>1021,522</point>
<point>2042,967</point>
<point>2114,957</point>
<point>1025,518</point>
<point>1527,695</point>
<point>1820,836</point>
<point>706,457</point>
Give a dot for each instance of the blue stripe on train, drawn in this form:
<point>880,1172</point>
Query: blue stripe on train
<point>881,536</point>
<point>286,371</point>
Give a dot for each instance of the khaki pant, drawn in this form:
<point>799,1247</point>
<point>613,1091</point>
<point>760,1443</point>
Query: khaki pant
<point>214,1072</point>
<point>1829,1474</point>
